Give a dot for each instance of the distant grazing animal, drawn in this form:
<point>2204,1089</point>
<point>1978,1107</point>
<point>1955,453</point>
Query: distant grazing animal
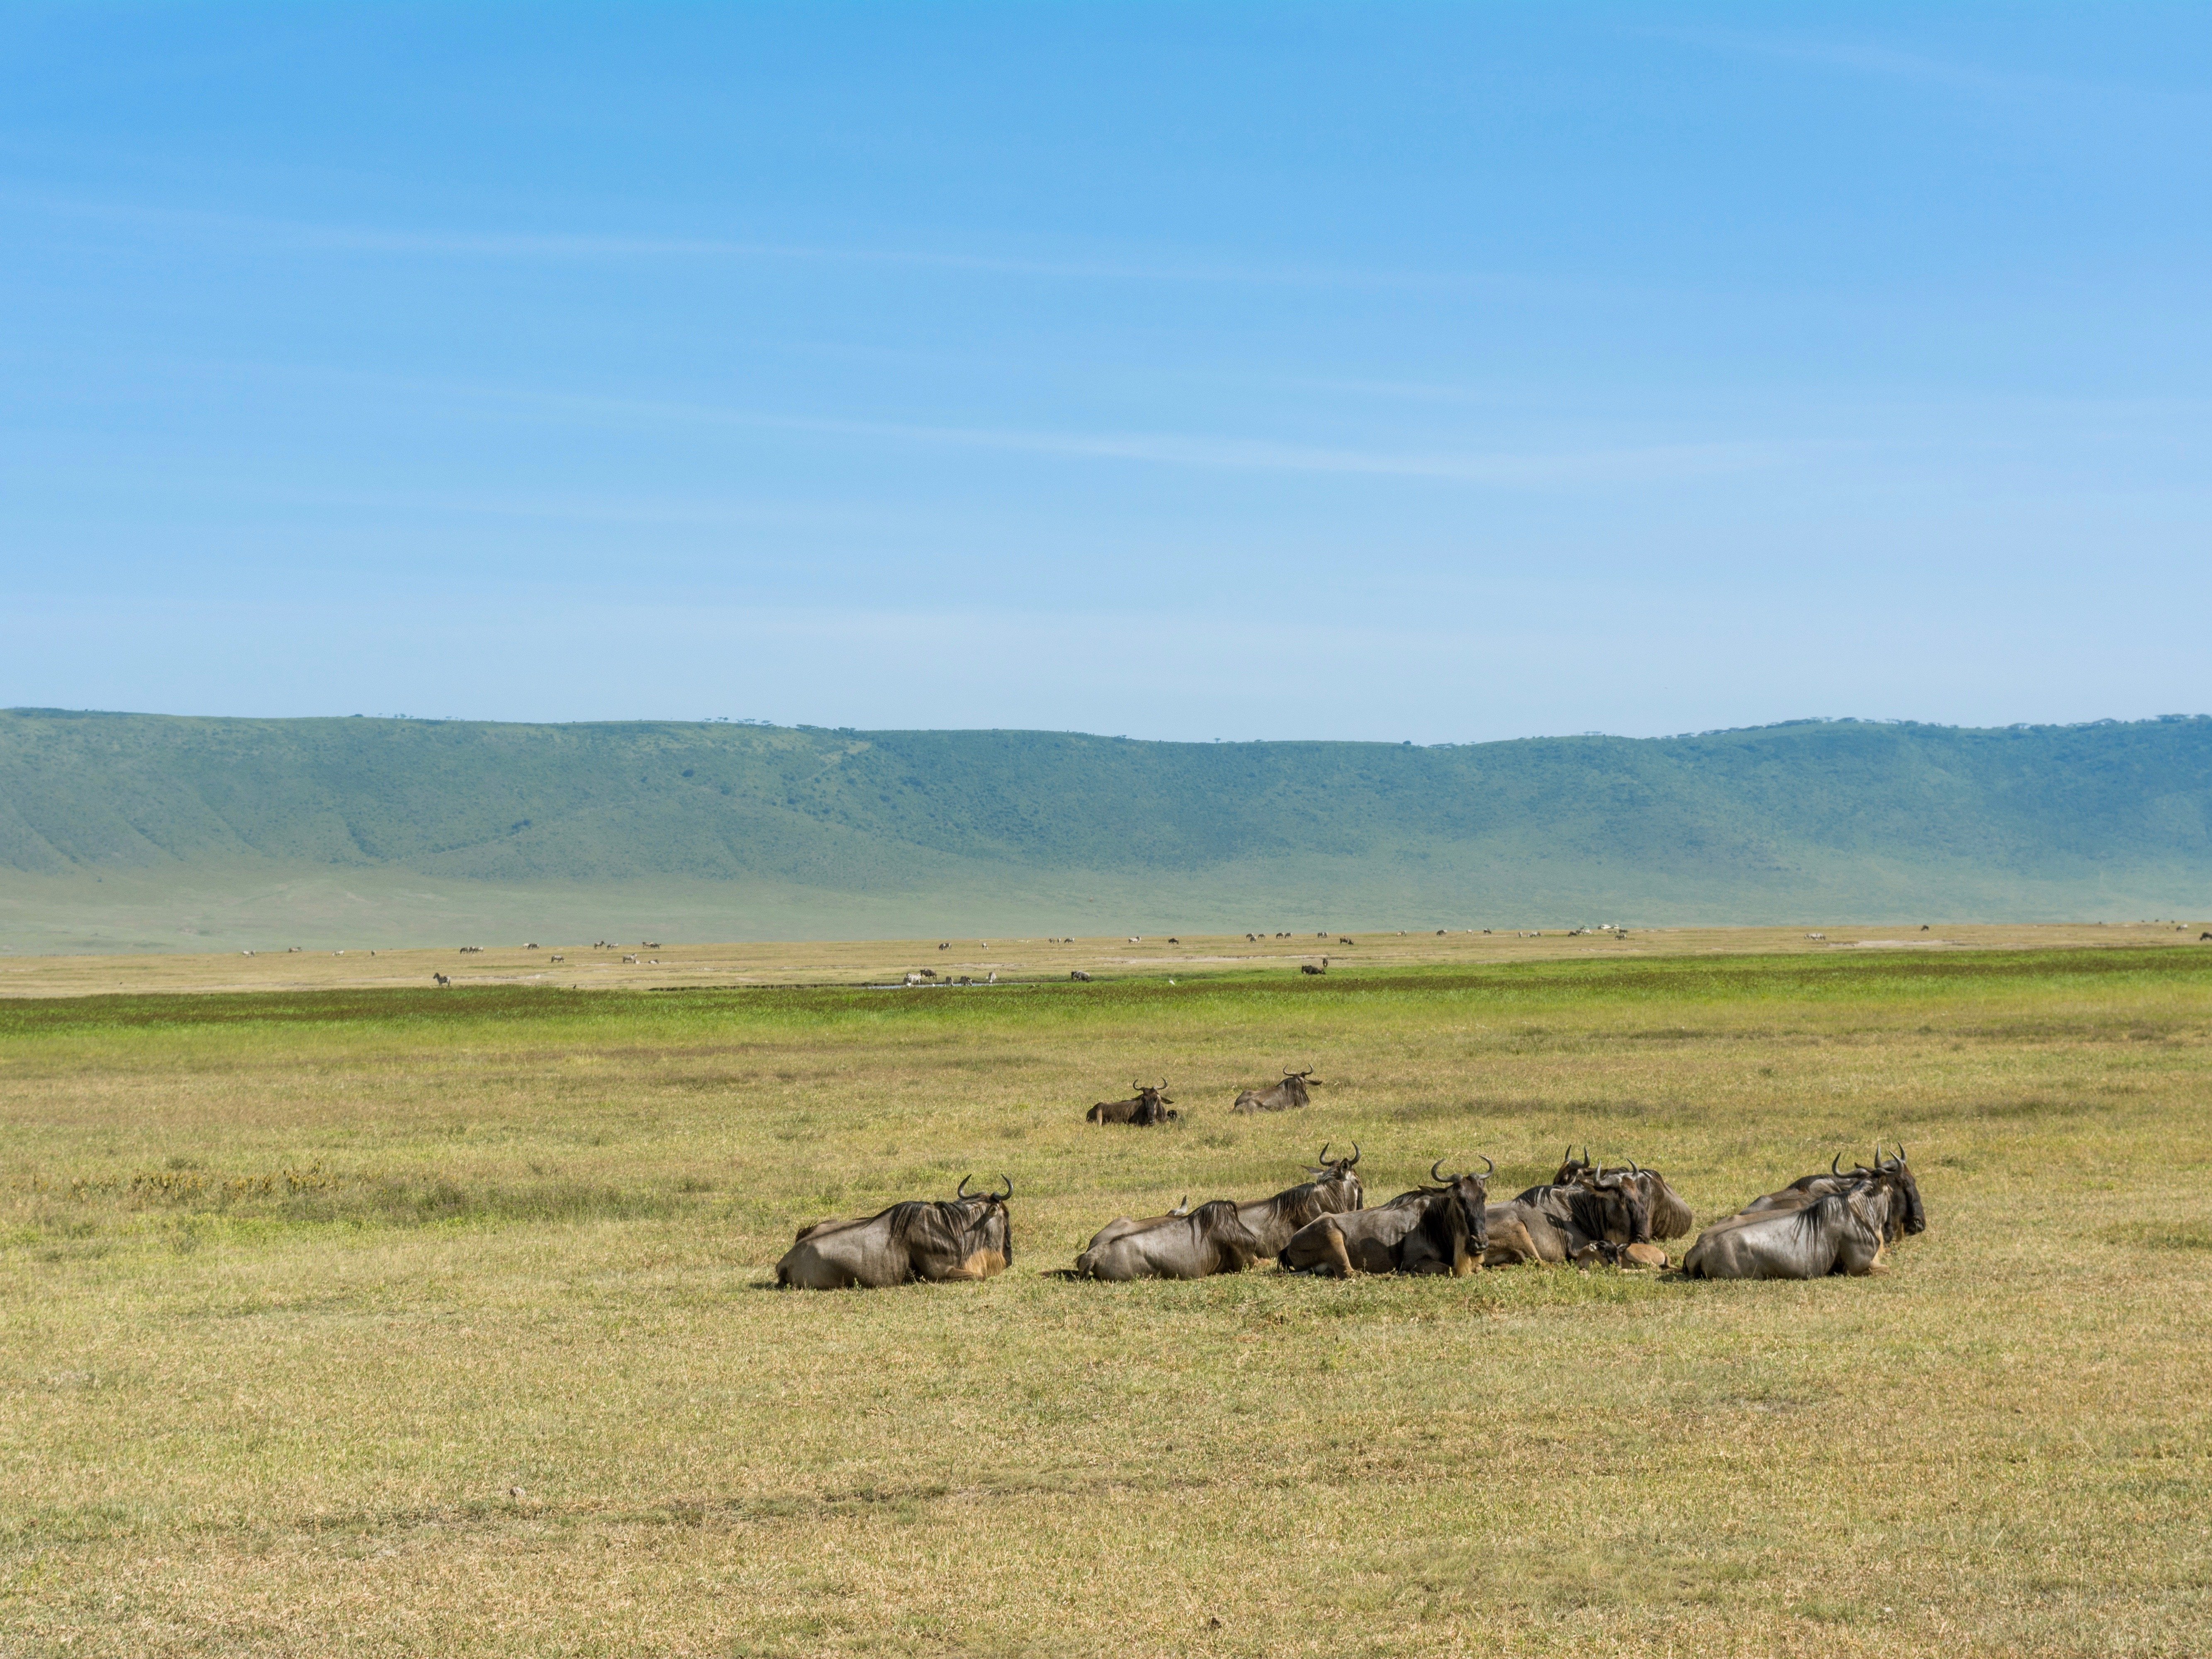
<point>1431,1230</point>
<point>630,958</point>
<point>1172,939</point>
<point>1286,1095</point>
<point>1254,939</point>
<point>1147,1107</point>
<point>1193,1244</point>
<point>1077,973</point>
<point>556,958</point>
<point>532,946</point>
<point>1308,968</point>
<point>1334,1189</point>
<point>1841,1233</point>
<point>947,945</point>
<point>968,1237</point>
<point>442,979</point>
<point>1346,940</point>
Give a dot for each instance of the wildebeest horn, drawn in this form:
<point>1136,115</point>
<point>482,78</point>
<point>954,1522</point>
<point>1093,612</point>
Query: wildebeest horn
<point>1833,1162</point>
<point>1633,1169</point>
<point>1436,1174</point>
<point>1491,1169</point>
<point>961,1191</point>
<point>1901,1152</point>
<point>1009,1182</point>
<point>1568,1156</point>
<point>1323,1159</point>
<point>1355,1152</point>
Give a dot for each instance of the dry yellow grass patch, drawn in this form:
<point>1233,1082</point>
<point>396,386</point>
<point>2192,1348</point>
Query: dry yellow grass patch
<point>301,1288</point>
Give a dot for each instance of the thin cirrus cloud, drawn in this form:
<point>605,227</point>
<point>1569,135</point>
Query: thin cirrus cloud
<point>311,235</point>
<point>1646,464</point>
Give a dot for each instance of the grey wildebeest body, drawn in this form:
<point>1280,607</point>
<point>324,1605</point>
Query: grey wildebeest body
<point>1333,1190</point>
<point>1431,1230</point>
<point>1671,1216</point>
<point>1289,1095</point>
<point>1838,1233</point>
<point>967,1237</point>
<point>1561,1221</point>
<point>1204,1241</point>
<point>1892,1175</point>
<point>1147,1107</point>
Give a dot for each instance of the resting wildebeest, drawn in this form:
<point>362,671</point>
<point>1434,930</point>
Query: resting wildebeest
<point>1431,1230</point>
<point>968,1237</point>
<point>1147,1107</point>
<point>1181,1244</point>
<point>1892,1175</point>
<point>1840,1233</point>
<point>1670,1217</point>
<point>1332,1190</point>
<point>1282,1096</point>
<point>1561,1221</point>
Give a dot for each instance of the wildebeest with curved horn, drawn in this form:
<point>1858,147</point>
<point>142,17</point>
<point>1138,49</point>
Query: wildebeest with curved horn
<point>967,1237</point>
<point>1286,1095</point>
<point>1431,1230</point>
<point>1181,1244</point>
<point>1894,1175</point>
<point>1560,1221</point>
<point>1839,1233</point>
<point>1147,1107</point>
<point>1333,1190</point>
<point>1671,1216</point>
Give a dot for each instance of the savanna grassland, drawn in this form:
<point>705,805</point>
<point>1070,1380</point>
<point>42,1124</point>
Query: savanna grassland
<point>416,1321</point>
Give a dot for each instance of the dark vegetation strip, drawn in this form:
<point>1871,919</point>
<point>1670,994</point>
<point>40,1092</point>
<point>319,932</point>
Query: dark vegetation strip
<point>1698,978</point>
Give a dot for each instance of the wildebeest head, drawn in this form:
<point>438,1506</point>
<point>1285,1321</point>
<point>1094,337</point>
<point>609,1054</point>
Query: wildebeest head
<point>1573,1168</point>
<point>1895,1176</point>
<point>1337,1173</point>
<point>984,1219</point>
<point>1469,1199</point>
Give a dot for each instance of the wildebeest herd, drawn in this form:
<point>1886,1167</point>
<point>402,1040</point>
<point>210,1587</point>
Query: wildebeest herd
<point>1587,1214</point>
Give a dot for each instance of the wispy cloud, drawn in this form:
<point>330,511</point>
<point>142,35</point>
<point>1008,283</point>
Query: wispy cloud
<point>314,236</point>
<point>1868,59</point>
<point>1656,463</point>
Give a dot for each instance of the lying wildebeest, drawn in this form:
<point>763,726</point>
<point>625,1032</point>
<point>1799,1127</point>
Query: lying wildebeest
<point>1283,1097</point>
<point>1181,1244</point>
<point>1561,1221</point>
<point>1670,1217</point>
<point>1892,1175</point>
<point>1840,1233</point>
<point>1332,1190</point>
<point>1431,1230</point>
<point>968,1237</point>
<point>1308,968</point>
<point>1148,1106</point>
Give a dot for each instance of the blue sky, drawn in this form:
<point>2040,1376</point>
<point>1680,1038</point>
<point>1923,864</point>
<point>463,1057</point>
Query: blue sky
<point>1427,372</point>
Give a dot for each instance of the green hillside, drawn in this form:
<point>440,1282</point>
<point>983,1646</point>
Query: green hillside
<point>144,831</point>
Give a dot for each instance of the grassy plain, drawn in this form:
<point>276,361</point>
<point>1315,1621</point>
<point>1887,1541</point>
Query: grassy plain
<point>385,1321</point>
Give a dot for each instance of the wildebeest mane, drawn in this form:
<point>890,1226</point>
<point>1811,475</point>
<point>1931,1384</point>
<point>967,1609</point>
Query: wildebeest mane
<point>958,1222</point>
<point>1443,1223</point>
